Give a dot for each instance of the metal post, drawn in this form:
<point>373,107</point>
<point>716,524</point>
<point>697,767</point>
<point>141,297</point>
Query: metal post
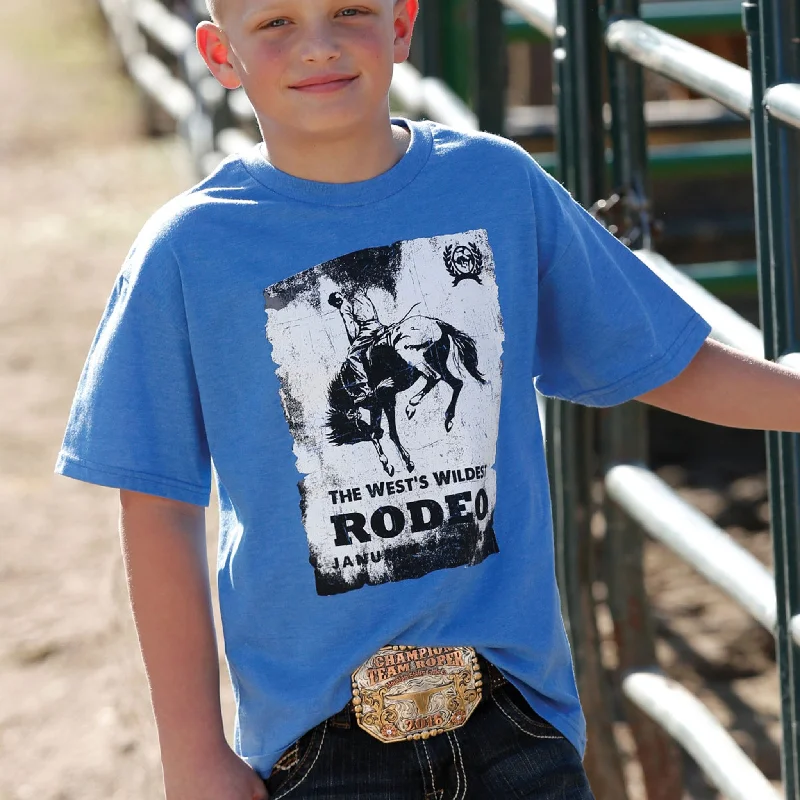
<point>629,137</point>
<point>774,35</point>
<point>490,78</point>
<point>578,48</point>
<point>456,43</point>
<point>426,48</point>
<point>572,428</point>
<point>625,437</point>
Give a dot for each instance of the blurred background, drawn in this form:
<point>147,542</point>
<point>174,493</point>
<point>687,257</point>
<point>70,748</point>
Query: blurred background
<point>78,178</point>
<point>85,158</point>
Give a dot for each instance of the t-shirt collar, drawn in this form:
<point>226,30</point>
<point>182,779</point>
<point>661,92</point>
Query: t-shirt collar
<point>347,194</point>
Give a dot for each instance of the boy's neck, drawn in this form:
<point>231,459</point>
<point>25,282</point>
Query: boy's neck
<point>351,156</point>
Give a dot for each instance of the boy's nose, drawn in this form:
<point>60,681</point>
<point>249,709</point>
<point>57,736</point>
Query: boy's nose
<point>320,46</point>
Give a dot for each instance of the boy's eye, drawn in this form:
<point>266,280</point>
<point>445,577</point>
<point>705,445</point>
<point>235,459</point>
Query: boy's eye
<point>281,22</point>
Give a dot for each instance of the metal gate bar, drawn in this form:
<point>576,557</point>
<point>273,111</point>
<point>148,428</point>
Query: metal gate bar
<point>625,439</point>
<point>692,535</point>
<point>570,429</point>
<point>774,31</point>
<point>686,63</point>
<point>692,724</point>
<point>783,103</point>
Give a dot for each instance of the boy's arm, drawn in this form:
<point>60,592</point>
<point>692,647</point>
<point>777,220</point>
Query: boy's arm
<point>164,549</point>
<point>728,387</point>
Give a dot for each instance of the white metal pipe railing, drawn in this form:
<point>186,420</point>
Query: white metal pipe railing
<point>126,32</point>
<point>685,63</point>
<point>668,55</point>
<point>541,14</point>
<point>234,140</point>
<point>157,81</point>
<point>432,97</point>
<point>790,360</point>
<point>168,29</point>
<point>727,326</point>
<point>440,103</point>
<point>240,106</point>
<point>694,727</point>
<point>688,532</point>
<point>406,89</point>
<point>783,102</point>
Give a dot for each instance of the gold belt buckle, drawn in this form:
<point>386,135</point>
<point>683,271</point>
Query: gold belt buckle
<point>405,692</point>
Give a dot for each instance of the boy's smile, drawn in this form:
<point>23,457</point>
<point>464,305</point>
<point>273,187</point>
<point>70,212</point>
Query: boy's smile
<point>325,83</point>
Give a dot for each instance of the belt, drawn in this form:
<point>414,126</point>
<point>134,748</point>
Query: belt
<point>488,676</point>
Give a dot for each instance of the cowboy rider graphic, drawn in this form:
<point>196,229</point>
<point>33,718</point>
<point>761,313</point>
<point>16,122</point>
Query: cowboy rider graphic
<point>362,325</point>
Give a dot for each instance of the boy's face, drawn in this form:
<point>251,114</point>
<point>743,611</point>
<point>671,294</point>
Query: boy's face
<point>314,66</point>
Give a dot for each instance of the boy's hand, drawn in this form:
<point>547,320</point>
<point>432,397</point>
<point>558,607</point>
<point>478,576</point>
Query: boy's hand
<point>225,777</point>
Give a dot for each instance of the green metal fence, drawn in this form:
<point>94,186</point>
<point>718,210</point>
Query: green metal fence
<point>770,95</point>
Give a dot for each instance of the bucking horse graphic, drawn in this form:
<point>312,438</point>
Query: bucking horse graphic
<point>385,360</point>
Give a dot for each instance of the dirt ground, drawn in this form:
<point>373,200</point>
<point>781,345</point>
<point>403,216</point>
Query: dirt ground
<point>77,180</point>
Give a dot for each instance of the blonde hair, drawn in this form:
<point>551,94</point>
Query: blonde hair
<point>213,9</point>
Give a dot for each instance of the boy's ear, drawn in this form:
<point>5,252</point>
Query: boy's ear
<point>404,18</point>
<point>213,46</point>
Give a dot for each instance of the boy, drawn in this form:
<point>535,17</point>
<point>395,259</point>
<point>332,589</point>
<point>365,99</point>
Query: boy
<point>386,575</point>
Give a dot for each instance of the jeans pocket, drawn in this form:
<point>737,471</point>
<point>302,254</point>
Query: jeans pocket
<point>294,766</point>
<point>516,710</point>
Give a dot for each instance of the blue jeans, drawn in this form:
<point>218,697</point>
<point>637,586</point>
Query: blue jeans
<point>504,751</point>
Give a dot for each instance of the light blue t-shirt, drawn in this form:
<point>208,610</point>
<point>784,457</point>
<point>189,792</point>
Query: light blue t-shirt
<point>357,361</point>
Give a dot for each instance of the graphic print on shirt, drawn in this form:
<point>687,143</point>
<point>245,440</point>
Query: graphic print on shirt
<point>389,362</point>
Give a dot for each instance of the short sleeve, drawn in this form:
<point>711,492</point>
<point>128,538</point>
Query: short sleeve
<point>136,421</point>
<point>608,328</point>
